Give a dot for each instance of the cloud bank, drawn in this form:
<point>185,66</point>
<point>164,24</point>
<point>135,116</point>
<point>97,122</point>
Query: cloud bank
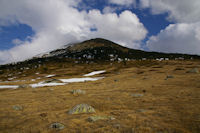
<point>181,37</point>
<point>58,22</point>
<point>184,35</point>
<point>177,38</point>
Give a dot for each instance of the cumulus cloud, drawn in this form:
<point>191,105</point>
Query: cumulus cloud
<point>177,38</point>
<point>125,28</point>
<point>109,9</point>
<point>58,22</point>
<point>183,36</point>
<point>123,2</point>
<point>179,10</point>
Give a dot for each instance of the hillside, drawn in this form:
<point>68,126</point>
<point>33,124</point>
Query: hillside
<point>98,86</point>
<point>139,97</point>
<point>93,51</point>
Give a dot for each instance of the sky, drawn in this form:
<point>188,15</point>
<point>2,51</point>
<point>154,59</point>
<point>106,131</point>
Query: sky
<point>32,27</point>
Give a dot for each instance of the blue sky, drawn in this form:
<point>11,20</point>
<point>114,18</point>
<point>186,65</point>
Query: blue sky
<point>28,28</point>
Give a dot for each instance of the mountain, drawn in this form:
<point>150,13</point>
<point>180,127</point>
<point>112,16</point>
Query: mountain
<point>98,50</point>
<point>101,49</point>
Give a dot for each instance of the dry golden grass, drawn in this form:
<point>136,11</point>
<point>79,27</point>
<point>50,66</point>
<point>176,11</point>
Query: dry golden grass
<point>168,106</point>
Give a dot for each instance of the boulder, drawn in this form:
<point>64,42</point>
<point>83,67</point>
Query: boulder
<point>194,70</point>
<point>137,95</point>
<point>57,126</point>
<point>52,81</point>
<point>169,77</point>
<point>23,86</point>
<point>82,108</point>
<point>78,92</point>
<point>17,107</point>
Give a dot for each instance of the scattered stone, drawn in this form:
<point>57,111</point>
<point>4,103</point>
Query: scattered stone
<point>51,89</point>
<point>96,118</point>
<point>57,126</point>
<point>23,86</point>
<point>137,95</point>
<point>17,107</point>
<point>78,92</point>
<point>141,110</point>
<point>53,81</point>
<point>145,78</point>
<point>144,91</point>
<point>133,130</point>
<point>82,108</point>
<point>118,126</point>
<point>169,77</point>
<point>43,114</point>
<point>178,69</point>
<point>194,70</point>
<point>140,72</point>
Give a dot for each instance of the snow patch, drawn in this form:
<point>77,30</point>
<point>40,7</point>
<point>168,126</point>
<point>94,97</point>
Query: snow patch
<point>48,76</point>
<point>41,84</point>
<point>8,86</point>
<point>75,80</point>
<point>94,73</point>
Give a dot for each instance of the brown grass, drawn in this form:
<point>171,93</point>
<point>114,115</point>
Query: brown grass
<point>168,106</point>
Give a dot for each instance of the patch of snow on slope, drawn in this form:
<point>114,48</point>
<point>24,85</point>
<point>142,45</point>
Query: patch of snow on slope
<point>74,80</point>
<point>94,73</point>
<point>48,76</point>
<point>8,86</point>
<point>41,84</point>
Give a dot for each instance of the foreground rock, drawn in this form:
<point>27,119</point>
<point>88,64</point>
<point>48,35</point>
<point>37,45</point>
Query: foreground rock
<point>96,118</point>
<point>17,107</point>
<point>78,92</point>
<point>53,81</point>
<point>23,86</point>
<point>169,77</point>
<point>194,70</point>
<point>137,95</point>
<point>57,126</point>
<point>82,108</point>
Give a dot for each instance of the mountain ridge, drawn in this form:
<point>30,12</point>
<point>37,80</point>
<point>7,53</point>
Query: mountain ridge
<point>99,49</point>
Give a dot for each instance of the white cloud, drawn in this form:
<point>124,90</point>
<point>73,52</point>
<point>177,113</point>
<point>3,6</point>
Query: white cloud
<point>123,2</point>
<point>109,9</point>
<point>184,35</point>
<point>177,38</point>
<point>125,28</point>
<point>179,10</point>
<point>58,22</point>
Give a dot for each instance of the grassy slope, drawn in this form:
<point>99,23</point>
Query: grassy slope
<point>167,105</point>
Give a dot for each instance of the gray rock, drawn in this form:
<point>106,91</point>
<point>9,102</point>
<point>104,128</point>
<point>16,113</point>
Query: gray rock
<point>57,126</point>
<point>78,92</point>
<point>142,110</point>
<point>23,86</point>
<point>17,107</point>
<point>82,108</point>
<point>53,81</point>
<point>137,95</point>
<point>194,70</point>
<point>169,77</point>
<point>51,89</point>
<point>96,118</point>
<point>178,69</point>
<point>118,126</point>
